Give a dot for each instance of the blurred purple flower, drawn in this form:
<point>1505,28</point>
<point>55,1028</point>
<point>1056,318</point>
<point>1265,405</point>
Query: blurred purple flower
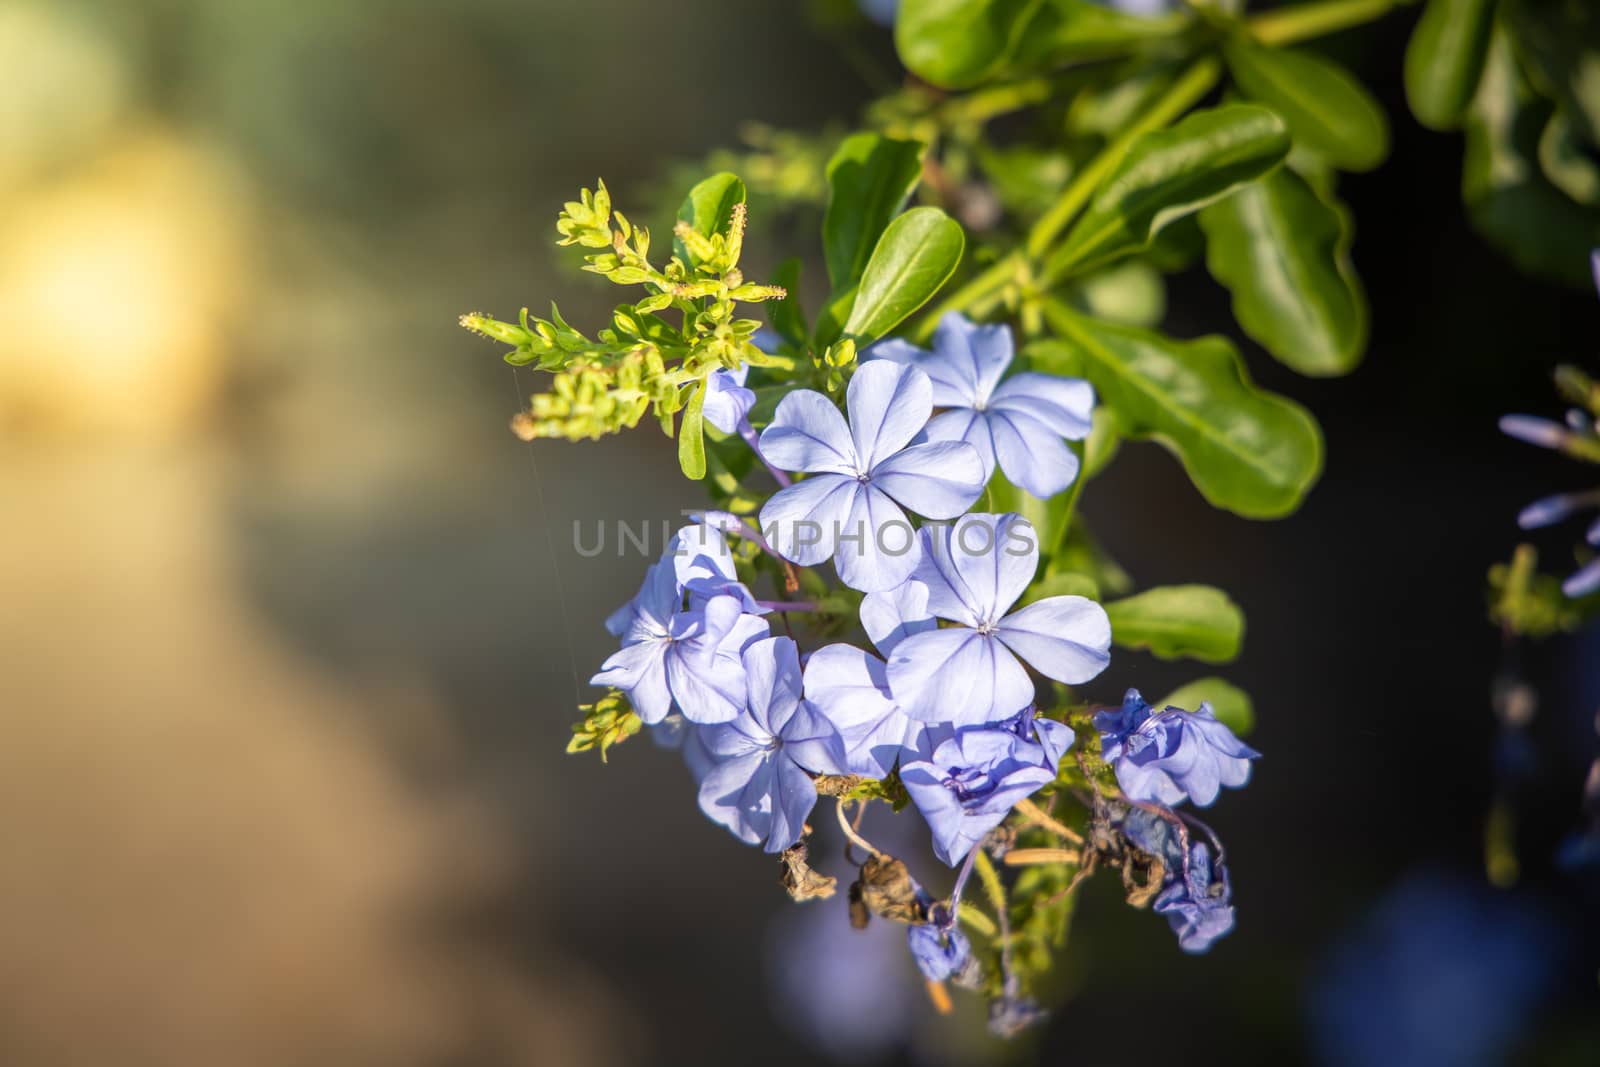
<point>1171,756</point>
<point>758,785</point>
<point>863,474</point>
<point>941,952</point>
<point>974,673</point>
<point>1018,423</point>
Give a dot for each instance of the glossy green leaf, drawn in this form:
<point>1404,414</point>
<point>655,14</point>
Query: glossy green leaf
<point>1130,290</point>
<point>1445,59</point>
<point>957,44</point>
<point>1508,197</point>
<point>1178,622</point>
<point>1325,106</point>
<point>691,436</point>
<point>1248,451</point>
<point>869,179</point>
<point>1230,704</point>
<point>915,256</point>
<point>1284,253</point>
<point>709,208</point>
<point>1169,174</point>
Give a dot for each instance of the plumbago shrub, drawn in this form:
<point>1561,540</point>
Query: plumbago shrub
<point>891,596</point>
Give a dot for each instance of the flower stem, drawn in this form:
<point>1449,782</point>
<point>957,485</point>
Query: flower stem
<point>1183,94</point>
<point>1291,24</point>
<point>851,832</point>
<point>748,432</point>
<point>802,606</point>
<point>1039,817</point>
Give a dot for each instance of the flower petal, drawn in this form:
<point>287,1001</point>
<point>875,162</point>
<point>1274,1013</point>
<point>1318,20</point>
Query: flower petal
<point>772,677</point>
<point>877,547</point>
<point>737,794</point>
<point>807,433</point>
<point>965,424</point>
<point>812,740</point>
<point>981,352</point>
<point>793,797</point>
<point>802,523</point>
<point>1032,454</point>
<point>952,381</point>
<point>851,689</point>
<point>978,566</point>
<point>888,617</point>
<point>888,405</point>
<point>1066,405</point>
<point>1067,638</point>
<point>727,401</point>
<point>940,480</point>
<point>957,676</point>
<point>640,671</point>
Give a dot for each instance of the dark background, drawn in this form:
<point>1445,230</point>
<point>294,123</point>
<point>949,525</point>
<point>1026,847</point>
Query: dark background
<point>295,628</point>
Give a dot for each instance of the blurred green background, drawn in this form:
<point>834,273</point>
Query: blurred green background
<point>291,629</point>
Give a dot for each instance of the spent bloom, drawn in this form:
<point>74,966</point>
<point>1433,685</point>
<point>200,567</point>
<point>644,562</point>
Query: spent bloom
<point>688,659</point>
<point>975,570</point>
<point>1196,895</point>
<point>941,952</point>
<point>863,473</point>
<point>1174,755</point>
<point>759,783</point>
<point>973,776</point>
<point>1018,423</point>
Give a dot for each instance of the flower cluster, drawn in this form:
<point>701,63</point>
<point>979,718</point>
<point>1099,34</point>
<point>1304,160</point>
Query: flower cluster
<point>977,619</point>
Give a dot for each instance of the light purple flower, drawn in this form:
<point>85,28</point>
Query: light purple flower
<point>704,567</point>
<point>1019,422</point>
<point>975,570</point>
<point>728,402</point>
<point>690,659</point>
<point>1170,756</point>
<point>862,477</point>
<point>974,776</point>
<point>758,786</point>
<point>851,686</point>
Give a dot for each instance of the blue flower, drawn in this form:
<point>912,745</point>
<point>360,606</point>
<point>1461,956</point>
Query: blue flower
<point>728,402</point>
<point>851,686</point>
<point>1198,903</point>
<point>973,777</point>
<point>862,473</point>
<point>702,562</point>
<point>975,571</point>
<point>758,785</point>
<point>1170,756</point>
<point>684,658</point>
<point>941,952</point>
<point>1020,422</point>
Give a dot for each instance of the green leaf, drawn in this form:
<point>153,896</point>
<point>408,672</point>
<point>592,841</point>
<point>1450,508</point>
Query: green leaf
<point>1168,174</point>
<point>1507,195</point>
<point>1558,43</point>
<point>691,435</point>
<point>1067,583</point>
<point>1177,621</point>
<point>1285,255</point>
<point>709,208</point>
<point>1130,290</point>
<point>915,257</point>
<point>1565,162</point>
<point>786,316</point>
<point>956,44</point>
<point>1325,106</point>
<point>1445,59</point>
<point>1230,704</point>
<point>870,178</point>
<point>1248,451</point>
